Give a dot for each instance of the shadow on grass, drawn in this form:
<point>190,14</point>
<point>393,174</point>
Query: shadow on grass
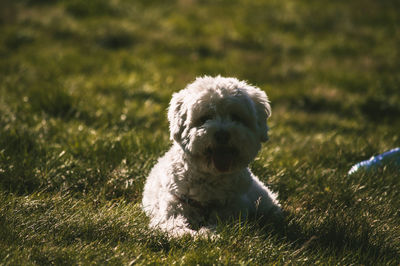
<point>335,235</point>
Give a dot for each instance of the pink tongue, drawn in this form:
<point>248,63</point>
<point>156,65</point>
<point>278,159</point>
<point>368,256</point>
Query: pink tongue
<point>222,160</point>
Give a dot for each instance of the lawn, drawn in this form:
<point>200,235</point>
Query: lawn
<point>84,88</point>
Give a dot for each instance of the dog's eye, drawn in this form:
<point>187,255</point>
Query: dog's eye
<point>240,119</point>
<point>203,119</point>
<point>237,118</point>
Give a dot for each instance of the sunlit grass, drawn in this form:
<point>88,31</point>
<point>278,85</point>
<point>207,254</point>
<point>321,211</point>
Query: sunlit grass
<point>84,88</point>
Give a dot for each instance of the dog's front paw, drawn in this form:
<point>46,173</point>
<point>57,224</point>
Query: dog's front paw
<point>202,233</point>
<point>208,232</point>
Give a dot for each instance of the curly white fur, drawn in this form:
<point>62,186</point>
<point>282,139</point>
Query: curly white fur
<point>217,125</point>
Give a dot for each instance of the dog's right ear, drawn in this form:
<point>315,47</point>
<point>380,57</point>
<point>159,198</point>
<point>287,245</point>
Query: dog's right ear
<point>263,110</point>
<point>176,116</point>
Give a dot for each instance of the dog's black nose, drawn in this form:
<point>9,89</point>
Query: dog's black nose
<point>222,136</point>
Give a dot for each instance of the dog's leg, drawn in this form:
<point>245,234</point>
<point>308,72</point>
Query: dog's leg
<point>264,200</point>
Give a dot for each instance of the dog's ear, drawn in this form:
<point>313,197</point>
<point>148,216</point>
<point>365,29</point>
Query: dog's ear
<point>176,115</point>
<point>263,110</point>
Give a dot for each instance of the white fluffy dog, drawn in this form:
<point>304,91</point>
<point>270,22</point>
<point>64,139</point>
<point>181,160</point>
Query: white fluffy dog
<point>217,125</point>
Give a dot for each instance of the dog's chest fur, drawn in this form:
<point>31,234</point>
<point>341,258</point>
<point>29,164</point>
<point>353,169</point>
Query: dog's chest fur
<point>207,189</point>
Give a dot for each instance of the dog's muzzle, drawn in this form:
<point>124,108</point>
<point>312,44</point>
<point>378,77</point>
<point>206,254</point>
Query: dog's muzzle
<point>222,137</point>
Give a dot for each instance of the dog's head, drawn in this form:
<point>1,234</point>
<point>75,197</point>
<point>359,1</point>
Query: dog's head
<point>219,122</point>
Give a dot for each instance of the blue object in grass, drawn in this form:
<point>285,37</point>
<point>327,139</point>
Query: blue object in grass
<point>391,157</point>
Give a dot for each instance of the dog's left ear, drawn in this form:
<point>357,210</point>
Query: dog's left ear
<point>176,115</point>
<point>263,110</point>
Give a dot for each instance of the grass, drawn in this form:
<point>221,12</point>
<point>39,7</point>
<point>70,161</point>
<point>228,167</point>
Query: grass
<point>84,87</point>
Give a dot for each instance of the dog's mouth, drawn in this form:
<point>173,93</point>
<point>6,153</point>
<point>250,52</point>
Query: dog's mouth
<point>222,158</point>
